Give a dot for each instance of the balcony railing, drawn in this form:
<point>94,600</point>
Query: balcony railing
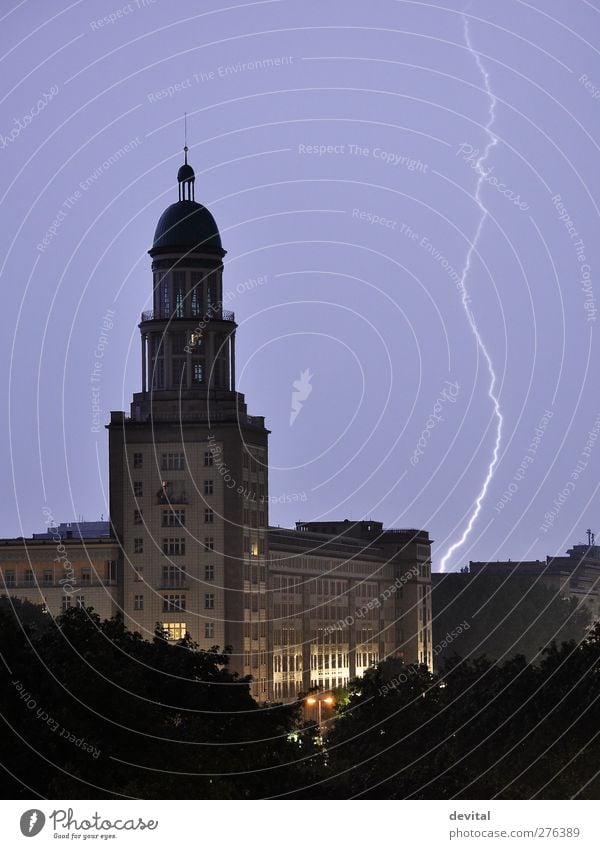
<point>222,315</point>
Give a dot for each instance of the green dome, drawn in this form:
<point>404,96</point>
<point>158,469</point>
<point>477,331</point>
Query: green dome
<point>187,224</point>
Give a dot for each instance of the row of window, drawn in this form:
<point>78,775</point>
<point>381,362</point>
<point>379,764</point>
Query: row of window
<point>173,518</point>
<point>178,630</point>
<point>138,488</point>
<point>173,602</point>
<point>48,577</point>
<point>170,461</point>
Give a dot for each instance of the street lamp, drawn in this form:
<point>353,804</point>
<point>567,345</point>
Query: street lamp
<point>318,700</point>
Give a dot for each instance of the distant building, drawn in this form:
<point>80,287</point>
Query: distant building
<point>576,575</point>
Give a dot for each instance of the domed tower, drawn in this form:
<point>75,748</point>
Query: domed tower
<point>188,467</point>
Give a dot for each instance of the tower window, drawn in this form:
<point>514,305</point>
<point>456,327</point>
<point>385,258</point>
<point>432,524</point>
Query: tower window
<point>164,297</point>
<point>198,373</point>
<point>196,305</point>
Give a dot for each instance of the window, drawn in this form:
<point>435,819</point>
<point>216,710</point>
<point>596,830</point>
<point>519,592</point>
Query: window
<point>209,630</point>
<point>138,602</point>
<point>173,518</point>
<point>138,545</point>
<point>174,630</point>
<point>10,578</point>
<point>198,373</point>
<point>138,460</point>
<point>80,601</point>
<point>209,601</point>
<point>196,304</point>
<point>173,576</point>
<point>48,577</point>
<point>208,487</point>
<point>138,488</point>
<point>179,294</point>
<point>254,548</point>
<point>138,574</point>
<point>66,603</point>
<point>209,573</point>
<point>111,570</point>
<point>173,461</point>
<point>208,458</point>
<point>86,576</point>
<point>164,297</point>
<point>137,517</point>
<point>209,516</point>
<point>29,577</point>
<point>174,545</point>
<point>173,603</point>
<point>209,543</point>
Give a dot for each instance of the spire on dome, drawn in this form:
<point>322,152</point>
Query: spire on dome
<point>185,176</point>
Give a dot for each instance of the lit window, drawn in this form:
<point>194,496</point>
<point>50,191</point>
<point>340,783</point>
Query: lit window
<point>174,630</point>
<point>198,373</point>
<point>254,549</point>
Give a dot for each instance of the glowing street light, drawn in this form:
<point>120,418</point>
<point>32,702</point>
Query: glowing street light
<point>318,700</point>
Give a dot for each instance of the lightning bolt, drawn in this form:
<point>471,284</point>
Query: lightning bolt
<point>32,820</point>
<point>492,142</point>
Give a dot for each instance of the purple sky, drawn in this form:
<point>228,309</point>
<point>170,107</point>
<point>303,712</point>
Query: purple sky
<point>372,311</point>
